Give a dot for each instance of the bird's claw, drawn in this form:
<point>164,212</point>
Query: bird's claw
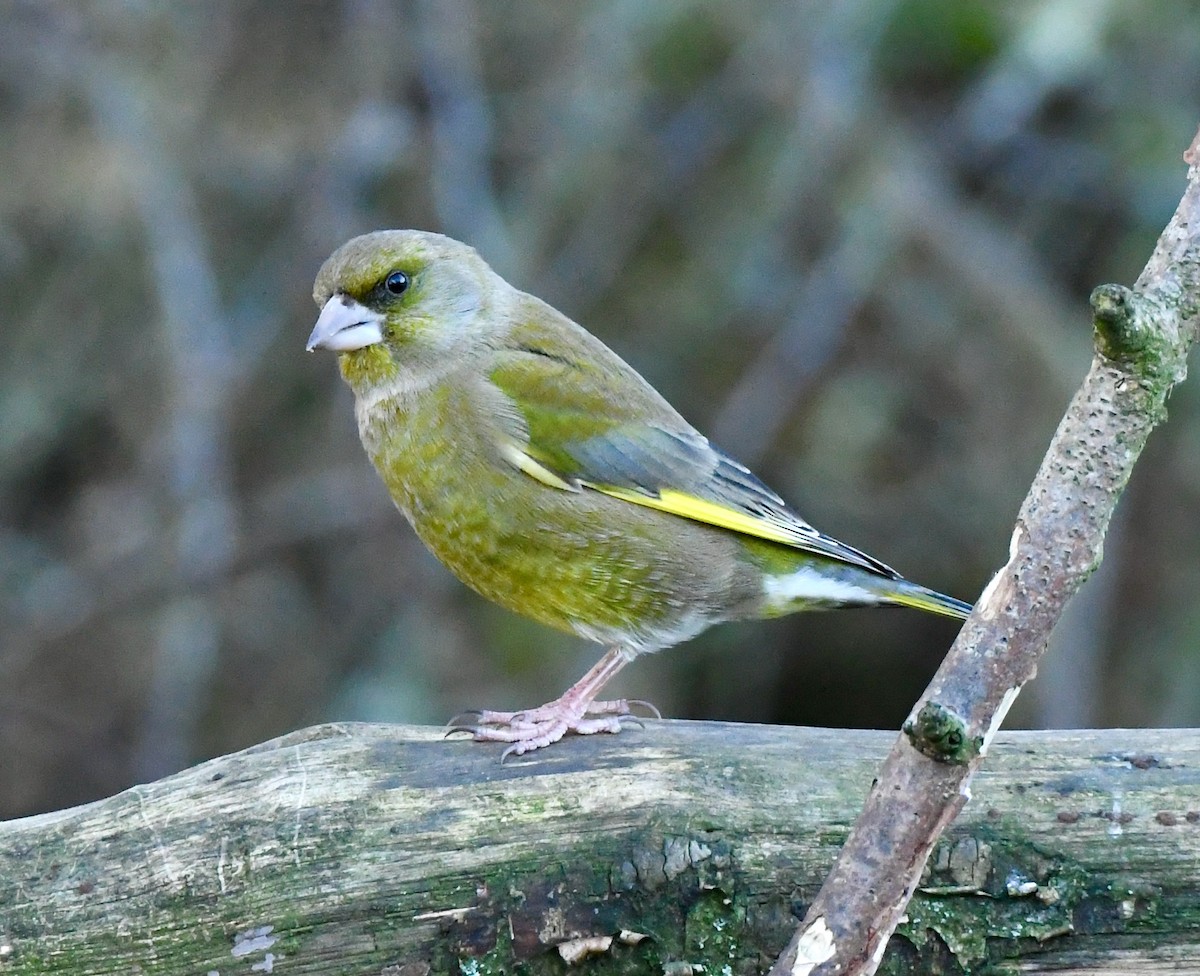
<point>650,707</point>
<point>536,728</point>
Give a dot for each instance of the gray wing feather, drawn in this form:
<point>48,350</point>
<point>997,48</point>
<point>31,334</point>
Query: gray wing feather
<point>650,458</point>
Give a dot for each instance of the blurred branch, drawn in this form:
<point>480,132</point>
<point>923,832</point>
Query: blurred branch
<point>1142,338</point>
<point>199,364</point>
<point>768,390</point>
<point>463,130</point>
<point>657,164</point>
<point>909,202</point>
<point>996,264</point>
<point>343,501</point>
<point>1058,44</point>
<point>909,198</point>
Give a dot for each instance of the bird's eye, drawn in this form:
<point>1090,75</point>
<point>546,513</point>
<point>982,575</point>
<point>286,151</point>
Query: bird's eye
<point>396,283</point>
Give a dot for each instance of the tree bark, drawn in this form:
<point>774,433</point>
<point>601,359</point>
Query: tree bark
<point>1142,339</point>
<point>680,848</point>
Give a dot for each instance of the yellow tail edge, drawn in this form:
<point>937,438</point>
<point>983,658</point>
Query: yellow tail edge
<point>920,598</point>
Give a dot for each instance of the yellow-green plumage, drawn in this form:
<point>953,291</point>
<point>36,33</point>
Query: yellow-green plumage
<point>550,477</point>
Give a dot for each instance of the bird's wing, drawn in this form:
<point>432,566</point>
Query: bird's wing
<point>593,423</point>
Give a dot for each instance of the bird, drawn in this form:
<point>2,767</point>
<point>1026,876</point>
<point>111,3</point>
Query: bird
<point>548,476</point>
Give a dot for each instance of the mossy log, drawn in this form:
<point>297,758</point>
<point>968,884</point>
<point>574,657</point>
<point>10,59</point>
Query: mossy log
<point>677,848</point>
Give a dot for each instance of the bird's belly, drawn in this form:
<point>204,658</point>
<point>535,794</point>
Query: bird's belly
<point>559,564</point>
<point>581,561</point>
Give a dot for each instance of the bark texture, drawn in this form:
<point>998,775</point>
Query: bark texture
<point>681,848</point>
<point>1142,338</point>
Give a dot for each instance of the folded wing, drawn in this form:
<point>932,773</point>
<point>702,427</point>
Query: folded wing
<point>593,423</point>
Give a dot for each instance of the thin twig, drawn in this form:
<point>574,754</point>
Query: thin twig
<point>1142,338</point>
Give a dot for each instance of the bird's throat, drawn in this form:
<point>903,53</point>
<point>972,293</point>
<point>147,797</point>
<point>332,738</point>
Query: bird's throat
<point>368,368</point>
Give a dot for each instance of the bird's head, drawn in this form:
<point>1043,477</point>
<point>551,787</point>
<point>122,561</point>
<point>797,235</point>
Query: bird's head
<point>400,304</point>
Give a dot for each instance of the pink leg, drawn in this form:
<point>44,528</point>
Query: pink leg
<point>576,710</point>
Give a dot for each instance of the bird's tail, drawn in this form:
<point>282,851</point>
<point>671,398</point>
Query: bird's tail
<point>905,594</point>
<point>822,585</point>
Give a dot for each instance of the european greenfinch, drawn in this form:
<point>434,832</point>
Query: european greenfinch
<point>548,476</point>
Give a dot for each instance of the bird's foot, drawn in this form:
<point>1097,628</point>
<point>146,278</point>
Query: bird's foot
<point>535,728</point>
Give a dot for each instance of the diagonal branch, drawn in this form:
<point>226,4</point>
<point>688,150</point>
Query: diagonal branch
<point>1142,338</point>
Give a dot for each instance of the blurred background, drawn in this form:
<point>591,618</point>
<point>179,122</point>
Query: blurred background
<point>853,243</point>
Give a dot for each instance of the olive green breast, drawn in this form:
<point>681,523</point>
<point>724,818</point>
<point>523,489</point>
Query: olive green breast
<point>576,560</point>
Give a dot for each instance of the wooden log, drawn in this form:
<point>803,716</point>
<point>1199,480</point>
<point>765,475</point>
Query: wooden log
<point>678,848</point>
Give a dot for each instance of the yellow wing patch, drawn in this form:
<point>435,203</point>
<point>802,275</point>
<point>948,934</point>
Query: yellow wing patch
<point>668,500</point>
<point>702,510</point>
<point>783,527</point>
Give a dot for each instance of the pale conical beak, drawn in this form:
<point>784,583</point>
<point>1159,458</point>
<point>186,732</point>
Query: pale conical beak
<point>344,325</point>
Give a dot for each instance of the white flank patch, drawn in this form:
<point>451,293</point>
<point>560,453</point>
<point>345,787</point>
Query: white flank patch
<point>807,584</point>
